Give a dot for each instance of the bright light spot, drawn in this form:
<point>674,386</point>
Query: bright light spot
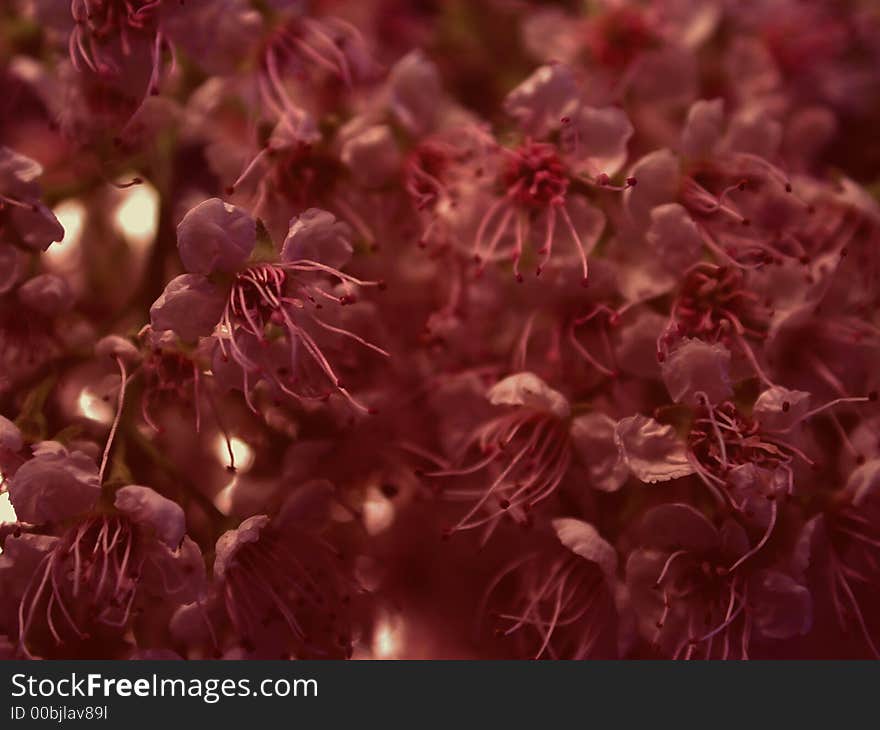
<point>7,514</point>
<point>93,407</point>
<point>244,454</point>
<point>388,637</point>
<point>223,499</point>
<point>378,512</point>
<point>136,216</point>
<point>71,214</point>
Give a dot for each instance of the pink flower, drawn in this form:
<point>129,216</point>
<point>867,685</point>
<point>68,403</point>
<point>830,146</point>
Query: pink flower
<point>525,452</point>
<point>694,599</point>
<point>558,602</point>
<point>284,591</point>
<point>24,219</point>
<point>55,485</point>
<point>534,178</point>
<point>264,298</point>
<point>840,546</point>
<point>83,589</point>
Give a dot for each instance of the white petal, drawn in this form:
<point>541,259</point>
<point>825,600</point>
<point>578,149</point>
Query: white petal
<point>529,391</point>
<point>583,539</point>
<point>653,451</point>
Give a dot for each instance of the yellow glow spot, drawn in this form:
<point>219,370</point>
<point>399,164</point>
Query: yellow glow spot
<point>388,638</point>
<point>93,407</point>
<point>136,216</point>
<point>244,454</point>
<point>71,214</point>
<point>378,512</point>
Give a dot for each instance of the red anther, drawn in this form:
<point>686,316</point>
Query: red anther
<point>631,182</point>
<point>786,406</point>
<point>603,179</point>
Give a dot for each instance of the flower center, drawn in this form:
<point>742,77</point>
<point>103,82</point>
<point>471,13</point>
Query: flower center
<point>535,176</point>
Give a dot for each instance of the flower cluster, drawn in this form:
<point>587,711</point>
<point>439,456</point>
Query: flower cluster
<point>467,329</point>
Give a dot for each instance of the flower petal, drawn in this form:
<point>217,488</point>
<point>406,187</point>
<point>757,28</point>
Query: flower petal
<point>215,236</point>
<point>191,306</point>
<point>230,541</point>
<point>592,436</point>
<point>583,539</point>
<point>55,485</point>
<point>316,235</point>
<point>602,136</point>
<point>652,451</point>
<point>539,103</point>
<point>149,509</point>
<point>657,183</point>
<point>529,391</point>
<point>779,408</point>
<point>695,368</point>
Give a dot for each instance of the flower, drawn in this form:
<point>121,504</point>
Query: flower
<point>526,451</point>
<point>534,178</point>
<point>692,597</point>
<point>276,300</point>
<point>83,588</point>
<point>285,590</point>
<point>558,602</point>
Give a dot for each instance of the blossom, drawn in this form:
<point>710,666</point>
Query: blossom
<point>562,603</point>
<point>689,600</point>
<point>85,586</point>
<point>263,297</point>
<point>526,449</point>
<point>333,333</point>
<point>284,589</point>
<point>55,485</point>
<point>24,218</point>
<point>536,176</point>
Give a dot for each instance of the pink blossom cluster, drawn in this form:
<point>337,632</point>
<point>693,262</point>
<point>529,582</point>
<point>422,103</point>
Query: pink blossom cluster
<point>483,329</point>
